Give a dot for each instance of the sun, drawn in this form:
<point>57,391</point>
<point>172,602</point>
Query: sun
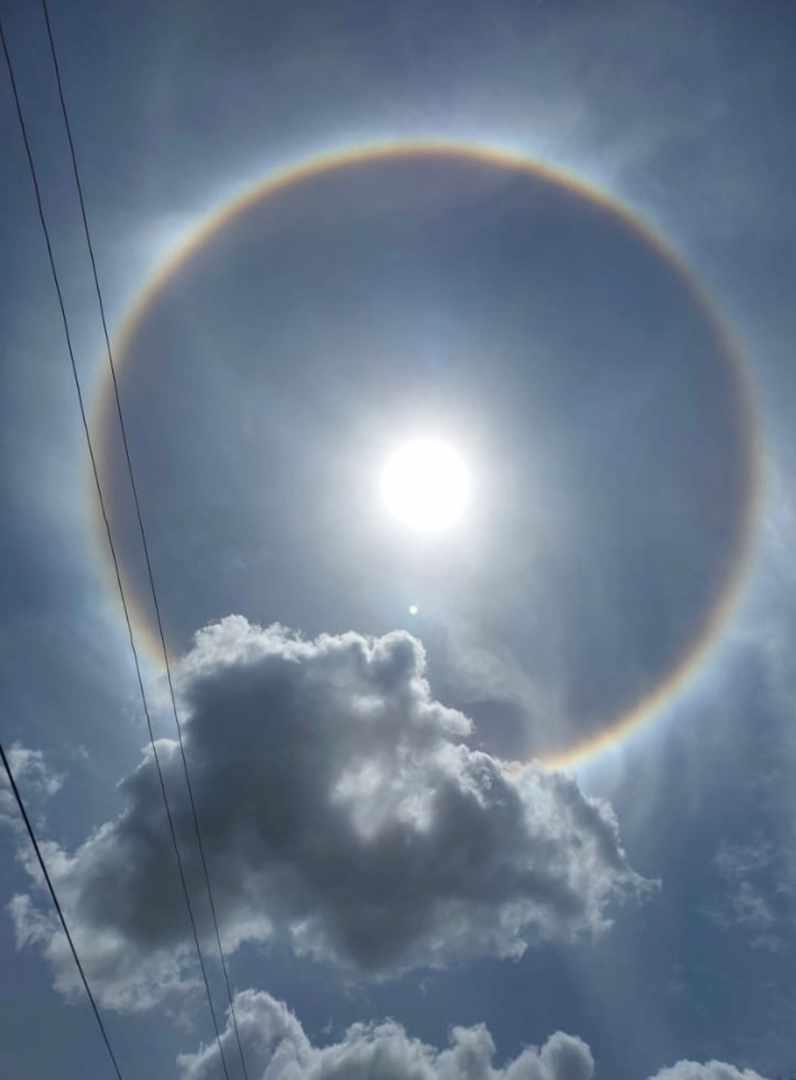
<point>425,485</point>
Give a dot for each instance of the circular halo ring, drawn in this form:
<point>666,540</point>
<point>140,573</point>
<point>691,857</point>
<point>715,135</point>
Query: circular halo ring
<point>724,602</point>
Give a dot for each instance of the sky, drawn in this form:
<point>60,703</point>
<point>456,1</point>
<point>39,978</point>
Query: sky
<point>510,798</point>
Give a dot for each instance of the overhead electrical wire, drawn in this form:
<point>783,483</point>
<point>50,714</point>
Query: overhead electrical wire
<point>43,866</point>
<point>141,529</point>
<point>114,558</point>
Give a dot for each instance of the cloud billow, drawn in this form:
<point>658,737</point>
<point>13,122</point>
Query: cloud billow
<point>277,1048</point>
<point>711,1070</point>
<point>342,811</point>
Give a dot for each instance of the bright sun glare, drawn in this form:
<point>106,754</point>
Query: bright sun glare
<point>425,485</point>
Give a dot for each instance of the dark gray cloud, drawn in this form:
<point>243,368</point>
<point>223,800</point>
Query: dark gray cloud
<point>342,811</point>
<point>277,1048</point>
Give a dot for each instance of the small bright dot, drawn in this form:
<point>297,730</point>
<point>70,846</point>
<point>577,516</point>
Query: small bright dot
<point>425,485</point>
<point>413,609</point>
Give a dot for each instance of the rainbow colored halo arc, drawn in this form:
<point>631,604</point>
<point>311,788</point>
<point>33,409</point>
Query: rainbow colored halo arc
<point>724,604</point>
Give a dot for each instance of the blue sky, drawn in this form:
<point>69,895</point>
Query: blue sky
<point>394,898</point>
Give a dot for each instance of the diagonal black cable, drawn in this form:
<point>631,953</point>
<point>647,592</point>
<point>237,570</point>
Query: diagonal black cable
<point>103,509</point>
<point>142,530</point>
<point>54,896</point>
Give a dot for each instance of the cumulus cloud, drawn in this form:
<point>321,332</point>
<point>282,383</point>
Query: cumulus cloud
<point>342,811</point>
<point>711,1070</point>
<point>277,1048</point>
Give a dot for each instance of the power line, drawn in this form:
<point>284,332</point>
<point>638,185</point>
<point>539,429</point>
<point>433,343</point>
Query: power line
<point>53,894</point>
<point>106,521</point>
<point>142,530</point>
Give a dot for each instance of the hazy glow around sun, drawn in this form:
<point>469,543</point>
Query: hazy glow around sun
<point>425,485</point>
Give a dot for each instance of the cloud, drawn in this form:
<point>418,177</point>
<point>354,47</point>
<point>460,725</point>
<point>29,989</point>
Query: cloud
<point>342,811</point>
<point>757,894</point>
<point>33,778</point>
<point>711,1070</point>
<point>276,1048</point>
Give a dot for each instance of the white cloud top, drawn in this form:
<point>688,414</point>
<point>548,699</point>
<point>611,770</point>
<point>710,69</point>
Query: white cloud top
<point>277,1048</point>
<point>711,1070</point>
